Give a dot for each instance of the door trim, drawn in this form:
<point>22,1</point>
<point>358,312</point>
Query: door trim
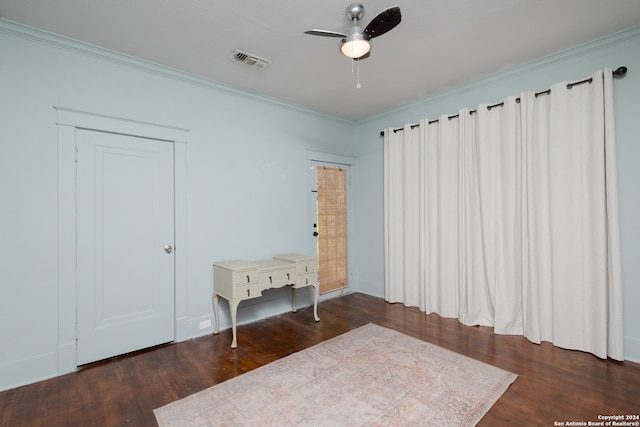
<point>68,122</point>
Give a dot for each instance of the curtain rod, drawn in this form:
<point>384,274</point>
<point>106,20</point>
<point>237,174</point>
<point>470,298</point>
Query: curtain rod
<point>620,71</point>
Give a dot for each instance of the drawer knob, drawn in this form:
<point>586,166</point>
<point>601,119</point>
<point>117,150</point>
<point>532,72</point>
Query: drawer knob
<point>248,292</point>
<point>248,279</point>
<point>288,278</point>
<point>270,280</point>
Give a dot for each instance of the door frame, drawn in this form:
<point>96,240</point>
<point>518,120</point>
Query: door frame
<point>68,121</point>
<point>335,160</point>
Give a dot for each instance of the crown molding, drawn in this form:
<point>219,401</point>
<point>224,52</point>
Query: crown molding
<point>57,41</point>
<point>584,49</point>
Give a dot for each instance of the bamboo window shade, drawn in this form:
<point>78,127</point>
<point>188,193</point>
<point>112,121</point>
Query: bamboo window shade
<point>332,228</point>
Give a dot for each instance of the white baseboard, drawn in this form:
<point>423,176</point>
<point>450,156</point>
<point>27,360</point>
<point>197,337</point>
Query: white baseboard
<point>28,371</point>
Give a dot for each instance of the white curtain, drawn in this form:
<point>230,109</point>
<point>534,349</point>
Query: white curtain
<point>507,216</point>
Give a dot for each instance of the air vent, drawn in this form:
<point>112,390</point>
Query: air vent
<point>250,59</point>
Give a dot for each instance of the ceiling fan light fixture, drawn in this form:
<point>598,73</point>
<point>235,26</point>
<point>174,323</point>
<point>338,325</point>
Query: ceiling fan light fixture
<point>355,45</point>
<point>356,42</point>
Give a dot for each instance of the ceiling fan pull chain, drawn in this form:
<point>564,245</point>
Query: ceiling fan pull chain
<point>358,85</point>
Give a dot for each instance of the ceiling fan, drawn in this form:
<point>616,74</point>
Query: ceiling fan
<point>356,42</point>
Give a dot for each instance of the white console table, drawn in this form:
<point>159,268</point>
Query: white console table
<point>237,281</point>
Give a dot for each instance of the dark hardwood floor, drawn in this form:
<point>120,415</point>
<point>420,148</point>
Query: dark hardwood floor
<point>554,385</point>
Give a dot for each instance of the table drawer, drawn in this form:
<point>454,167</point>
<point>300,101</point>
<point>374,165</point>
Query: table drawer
<point>307,266</point>
<point>246,277</point>
<point>247,291</point>
<point>304,263</point>
<point>306,280</point>
<point>277,278</point>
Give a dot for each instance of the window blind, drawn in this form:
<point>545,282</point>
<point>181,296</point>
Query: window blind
<point>332,229</point>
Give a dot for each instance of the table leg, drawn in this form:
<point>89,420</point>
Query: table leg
<point>293,299</point>
<point>316,291</point>
<point>215,311</point>
<point>233,308</point>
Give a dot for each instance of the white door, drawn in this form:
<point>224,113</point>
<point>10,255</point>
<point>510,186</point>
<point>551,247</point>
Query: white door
<point>125,235</point>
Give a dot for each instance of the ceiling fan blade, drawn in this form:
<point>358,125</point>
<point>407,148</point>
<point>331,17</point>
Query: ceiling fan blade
<point>325,33</point>
<point>383,22</point>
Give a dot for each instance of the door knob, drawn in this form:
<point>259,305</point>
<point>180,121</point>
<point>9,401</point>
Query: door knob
<point>168,249</point>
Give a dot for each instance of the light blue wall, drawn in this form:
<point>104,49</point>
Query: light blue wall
<point>246,180</point>
<point>246,165</point>
<point>616,50</point>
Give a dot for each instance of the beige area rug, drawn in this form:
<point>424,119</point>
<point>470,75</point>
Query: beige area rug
<point>371,376</point>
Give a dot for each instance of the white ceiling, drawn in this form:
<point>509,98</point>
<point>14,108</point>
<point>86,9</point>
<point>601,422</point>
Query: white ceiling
<point>438,45</point>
